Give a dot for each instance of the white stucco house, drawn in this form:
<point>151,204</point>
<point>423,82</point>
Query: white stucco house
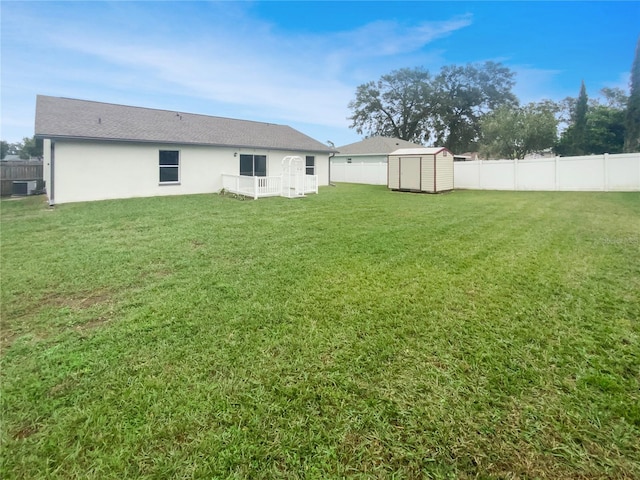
<point>99,151</point>
<point>366,161</point>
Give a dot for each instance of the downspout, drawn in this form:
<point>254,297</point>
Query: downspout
<point>333,154</point>
<point>52,162</point>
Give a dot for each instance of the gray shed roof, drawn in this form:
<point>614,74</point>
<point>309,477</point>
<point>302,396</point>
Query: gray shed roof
<point>419,151</point>
<point>376,146</point>
<point>58,117</point>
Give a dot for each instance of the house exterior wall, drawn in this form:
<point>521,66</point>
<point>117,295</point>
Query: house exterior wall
<point>367,169</point>
<point>340,158</point>
<point>360,172</point>
<point>91,170</point>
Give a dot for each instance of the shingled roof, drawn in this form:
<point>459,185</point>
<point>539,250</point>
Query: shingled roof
<point>375,146</point>
<point>58,117</point>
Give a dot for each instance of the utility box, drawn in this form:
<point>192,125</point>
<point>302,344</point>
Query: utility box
<point>427,170</point>
<point>24,187</point>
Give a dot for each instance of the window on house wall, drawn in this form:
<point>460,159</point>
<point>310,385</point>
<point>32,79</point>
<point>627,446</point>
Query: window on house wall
<point>169,166</point>
<point>311,165</point>
<point>253,165</point>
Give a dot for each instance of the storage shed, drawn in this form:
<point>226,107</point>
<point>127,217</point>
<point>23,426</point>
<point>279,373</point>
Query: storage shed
<point>421,170</point>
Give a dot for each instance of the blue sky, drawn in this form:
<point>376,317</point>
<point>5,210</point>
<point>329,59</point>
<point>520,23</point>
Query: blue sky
<point>295,63</point>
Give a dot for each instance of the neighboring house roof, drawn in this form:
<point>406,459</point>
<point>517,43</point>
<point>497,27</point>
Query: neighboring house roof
<point>375,146</point>
<point>58,117</point>
<point>419,151</point>
<point>470,155</point>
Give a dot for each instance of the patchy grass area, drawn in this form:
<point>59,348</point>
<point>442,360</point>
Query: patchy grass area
<point>358,333</point>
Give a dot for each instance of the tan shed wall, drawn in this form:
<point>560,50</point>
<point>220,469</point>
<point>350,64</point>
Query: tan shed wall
<point>393,177</point>
<point>444,172</point>
<point>427,173</point>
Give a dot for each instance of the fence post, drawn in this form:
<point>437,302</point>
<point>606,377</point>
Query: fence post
<point>255,188</point>
<point>605,176</point>
<point>555,173</point>
<point>515,174</point>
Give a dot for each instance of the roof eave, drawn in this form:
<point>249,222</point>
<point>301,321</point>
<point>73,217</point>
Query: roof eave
<point>167,142</point>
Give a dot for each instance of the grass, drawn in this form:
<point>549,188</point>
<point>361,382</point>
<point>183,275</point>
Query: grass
<point>358,333</point>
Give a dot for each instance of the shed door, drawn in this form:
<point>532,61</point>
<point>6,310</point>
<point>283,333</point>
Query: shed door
<point>410,173</point>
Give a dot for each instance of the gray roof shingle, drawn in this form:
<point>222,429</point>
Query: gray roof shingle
<point>375,146</point>
<point>58,117</point>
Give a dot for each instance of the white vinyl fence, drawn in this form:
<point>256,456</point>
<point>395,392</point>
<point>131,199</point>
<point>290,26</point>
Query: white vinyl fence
<point>372,173</point>
<point>620,172</point>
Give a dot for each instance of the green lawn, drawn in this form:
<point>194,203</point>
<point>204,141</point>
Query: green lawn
<point>358,333</point>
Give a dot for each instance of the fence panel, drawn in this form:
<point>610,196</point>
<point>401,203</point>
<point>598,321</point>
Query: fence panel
<point>620,172</point>
<point>18,170</point>
<point>466,174</point>
<point>539,174</point>
<point>581,173</point>
<point>623,172</point>
<point>497,175</point>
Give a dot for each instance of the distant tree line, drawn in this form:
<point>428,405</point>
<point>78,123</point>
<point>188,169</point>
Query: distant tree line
<point>472,108</point>
<point>26,149</point>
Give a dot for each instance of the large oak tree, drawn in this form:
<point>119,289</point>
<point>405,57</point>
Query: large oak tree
<point>444,110</point>
<point>397,105</point>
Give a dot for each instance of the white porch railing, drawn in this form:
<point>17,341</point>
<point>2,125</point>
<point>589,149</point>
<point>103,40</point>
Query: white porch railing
<point>310,184</point>
<point>256,187</point>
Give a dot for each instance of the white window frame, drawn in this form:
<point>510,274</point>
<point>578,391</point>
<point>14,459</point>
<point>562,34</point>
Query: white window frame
<point>161,166</point>
<point>307,166</point>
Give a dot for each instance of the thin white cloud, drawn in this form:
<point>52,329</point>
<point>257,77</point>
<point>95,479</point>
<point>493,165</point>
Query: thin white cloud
<point>383,38</point>
<point>226,62</point>
<point>297,77</point>
<point>623,82</point>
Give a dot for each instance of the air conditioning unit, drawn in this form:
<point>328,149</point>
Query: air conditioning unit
<point>24,187</point>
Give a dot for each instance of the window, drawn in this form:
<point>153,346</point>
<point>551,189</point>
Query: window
<point>253,165</point>
<point>169,166</point>
<point>311,165</point>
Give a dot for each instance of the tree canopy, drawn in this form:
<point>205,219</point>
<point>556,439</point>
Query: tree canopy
<point>397,105</point>
<point>472,107</point>
<point>463,96</point>
<point>446,109</point>
<point>594,128</point>
<point>513,132</point>
<point>30,147</point>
